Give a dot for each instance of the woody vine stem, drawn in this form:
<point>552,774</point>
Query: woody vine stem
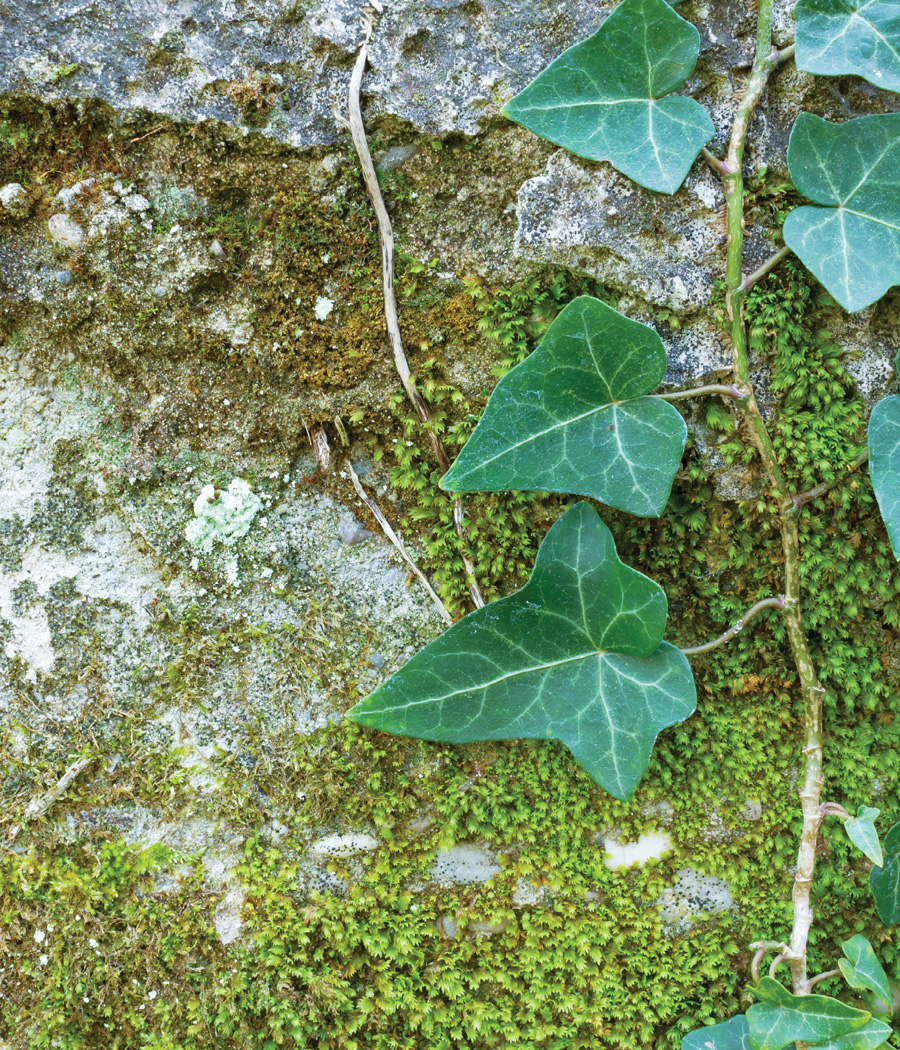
<point>729,170</point>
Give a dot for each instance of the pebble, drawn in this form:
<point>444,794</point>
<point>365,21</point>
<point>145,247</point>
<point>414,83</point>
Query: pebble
<point>136,202</point>
<point>66,233</point>
<point>351,531</point>
<point>396,156</point>
<point>376,660</point>
<point>752,809</point>
<point>64,277</point>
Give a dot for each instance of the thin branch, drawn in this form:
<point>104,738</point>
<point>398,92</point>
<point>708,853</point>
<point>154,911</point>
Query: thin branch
<point>834,809</point>
<point>766,267</point>
<point>776,962</point>
<point>386,236</point>
<point>719,167</point>
<point>827,486</point>
<point>783,55</point>
<point>397,542</point>
<point>766,603</point>
<point>822,977</point>
<point>699,391</point>
<point>754,964</point>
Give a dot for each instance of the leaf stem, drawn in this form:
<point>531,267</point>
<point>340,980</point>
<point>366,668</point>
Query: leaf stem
<point>766,267</point>
<point>766,603</point>
<point>834,809</point>
<point>822,977</point>
<point>699,391</point>
<point>805,497</point>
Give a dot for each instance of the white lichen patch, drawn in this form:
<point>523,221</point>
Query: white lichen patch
<point>623,854</point>
<point>324,306</point>
<point>344,845</point>
<point>223,518</point>
<point>693,895</point>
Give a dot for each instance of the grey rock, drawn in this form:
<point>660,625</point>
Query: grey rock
<point>396,157</point>
<point>376,659</point>
<point>64,277</point>
<point>752,809</point>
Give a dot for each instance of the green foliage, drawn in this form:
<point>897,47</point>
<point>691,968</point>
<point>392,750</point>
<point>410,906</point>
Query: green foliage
<point>781,1018</point>
<point>859,37</point>
<point>861,832</point>
<point>884,881</point>
<point>730,1035</point>
<point>862,970</point>
<point>884,464</point>
<point>851,239</point>
<point>609,97</point>
<point>571,418</point>
<point>576,655</point>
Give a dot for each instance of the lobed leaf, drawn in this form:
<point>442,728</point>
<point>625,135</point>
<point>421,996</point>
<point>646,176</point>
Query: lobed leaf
<point>609,97</point>
<point>733,1034</point>
<point>570,418</point>
<point>884,464</point>
<point>576,655</point>
<point>852,241</point>
<point>782,1018</point>
<point>861,969</point>
<point>862,37</point>
<point>869,1037</point>
<point>885,881</point>
<point>861,832</point>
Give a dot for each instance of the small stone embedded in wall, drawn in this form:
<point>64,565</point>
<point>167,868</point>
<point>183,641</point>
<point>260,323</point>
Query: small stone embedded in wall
<point>65,232</point>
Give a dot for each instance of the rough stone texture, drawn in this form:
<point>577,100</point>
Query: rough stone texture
<point>151,344</point>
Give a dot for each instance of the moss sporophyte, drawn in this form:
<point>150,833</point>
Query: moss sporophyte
<point>578,655</point>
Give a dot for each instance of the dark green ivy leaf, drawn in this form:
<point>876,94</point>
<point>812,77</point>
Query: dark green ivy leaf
<point>576,655</point>
<point>730,1035</point>
<point>609,97</point>
<point>570,418</point>
<point>850,239</point>
<point>862,37</point>
<point>885,881</point>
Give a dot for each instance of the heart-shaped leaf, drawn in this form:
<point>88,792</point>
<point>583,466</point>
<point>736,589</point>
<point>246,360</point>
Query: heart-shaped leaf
<point>850,36</point>
<point>576,655</point>
<point>861,969</point>
<point>884,464</point>
<point>730,1035</point>
<point>852,243</point>
<point>570,418</point>
<point>861,832</point>
<point>885,881</point>
<point>783,1018</point>
<point>609,97</point>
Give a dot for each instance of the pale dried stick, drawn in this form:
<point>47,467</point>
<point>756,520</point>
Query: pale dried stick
<point>386,236</point>
<point>398,543</point>
<point>37,807</point>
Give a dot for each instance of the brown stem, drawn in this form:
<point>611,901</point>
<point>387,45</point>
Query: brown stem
<point>766,603</point>
<point>813,981</point>
<point>769,265</point>
<point>765,62</point>
<point>386,237</point>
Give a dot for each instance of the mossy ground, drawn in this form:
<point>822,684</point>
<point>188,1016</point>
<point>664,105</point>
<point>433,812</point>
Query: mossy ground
<point>108,944</point>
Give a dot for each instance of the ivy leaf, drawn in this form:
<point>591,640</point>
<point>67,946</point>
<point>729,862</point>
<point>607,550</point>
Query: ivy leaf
<point>782,1018</point>
<point>852,243</point>
<point>730,1035</point>
<point>570,418</point>
<point>850,36</point>
<point>884,464</point>
<point>861,832</point>
<point>861,969</point>
<point>576,655</point>
<point>868,1037</point>
<point>885,881</point>
<point>608,98</point>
